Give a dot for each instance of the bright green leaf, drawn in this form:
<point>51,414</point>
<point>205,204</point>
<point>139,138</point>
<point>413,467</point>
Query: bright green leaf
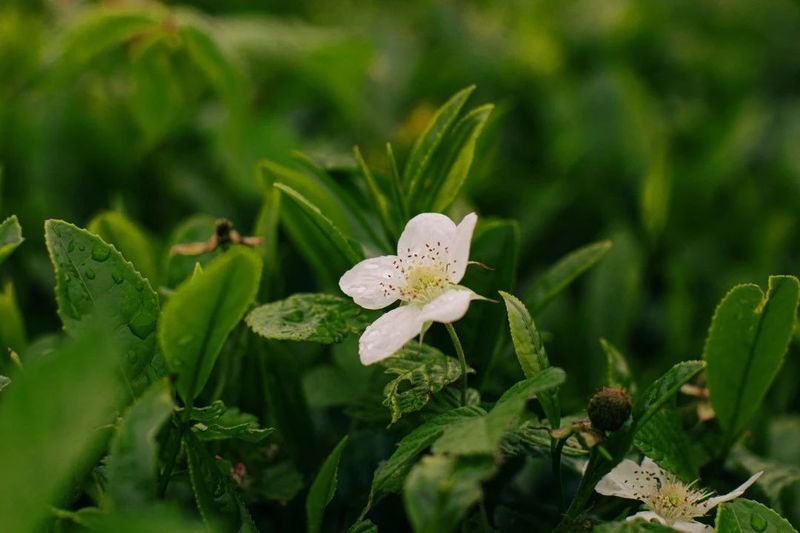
<point>662,389</point>
<point>323,488</point>
<point>114,228</point>
<point>745,346</point>
<point>218,422</point>
<point>322,318</point>
<point>776,478</point>
<point>544,381</point>
<point>202,312</point>
<point>481,434</point>
<point>663,439</point>
<point>747,516</point>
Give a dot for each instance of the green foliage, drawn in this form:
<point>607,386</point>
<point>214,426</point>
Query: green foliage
<point>10,237</point>
<point>202,312</point>
<point>323,488</point>
<point>132,463</point>
<point>777,476</point>
<point>748,338</point>
<point>663,440</point>
<point>12,324</point>
<point>81,377</point>
<point>632,526</point>
<point>618,374</point>
<point>748,516</point>
<point>480,435</point>
<point>218,422</point>
<point>322,318</point>
<point>662,389</point>
<point>116,229</point>
<point>531,352</point>
<point>96,285</point>
<point>420,372</point>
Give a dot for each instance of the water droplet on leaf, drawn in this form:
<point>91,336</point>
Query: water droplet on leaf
<point>758,522</point>
<point>89,273</point>
<point>81,247</point>
<point>117,277</point>
<point>100,253</point>
<point>142,326</point>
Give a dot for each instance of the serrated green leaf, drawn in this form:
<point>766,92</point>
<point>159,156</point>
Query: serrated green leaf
<point>745,347</point>
<point>632,526</point>
<point>95,284</point>
<point>219,422</point>
<point>420,158</point>
<point>776,478</point>
<point>114,228</point>
<point>217,500</point>
<point>480,435</point>
<point>662,439</point>
<point>536,386</point>
<point>662,389</point>
<point>747,516</point>
<point>202,312</point>
<point>131,468</point>
<point>421,372</point>
<point>322,318</point>
<point>439,491</point>
<point>454,158</point>
<point>47,437</point>
<point>618,374</point>
<point>323,488</point>
<point>559,276</point>
<point>10,237</point>
<point>389,475</point>
<point>530,352</point>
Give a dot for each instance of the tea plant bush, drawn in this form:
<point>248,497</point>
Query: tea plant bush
<point>604,320</point>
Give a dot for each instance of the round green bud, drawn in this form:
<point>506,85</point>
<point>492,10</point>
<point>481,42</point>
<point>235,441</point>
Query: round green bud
<point>610,408</point>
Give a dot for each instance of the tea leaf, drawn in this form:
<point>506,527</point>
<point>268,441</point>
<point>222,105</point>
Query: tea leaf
<point>662,389</point>
<point>114,228</point>
<point>662,439</point>
<point>747,516</point>
<point>322,318</point>
<point>745,346</point>
<point>202,312</point>
<point>530,352</point>
<point>218,422</point>
<point>323,488</point>
<point>10,237</point>
<point>94,283</point>
<point>480,435</point>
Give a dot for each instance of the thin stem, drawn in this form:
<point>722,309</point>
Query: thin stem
<point>461,359</point>
<point>556,447</point>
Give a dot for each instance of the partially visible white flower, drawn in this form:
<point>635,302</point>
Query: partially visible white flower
<point>432,256</point>
<point>669,501</point>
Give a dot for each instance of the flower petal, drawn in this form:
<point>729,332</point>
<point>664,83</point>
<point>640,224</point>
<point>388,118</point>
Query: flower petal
<point>373,283</point>
<point>647,516</point>
<point>389,333</point>
<point>426,234</point>
<point>448,306</point>
<point>692,527</point>
<point>627,480</point>
<point>459,252</point>
<point>710,503</point>
<point>650,467</point>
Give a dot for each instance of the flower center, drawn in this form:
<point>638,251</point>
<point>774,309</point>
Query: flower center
<point>675,501</point>
<point>424,282</point>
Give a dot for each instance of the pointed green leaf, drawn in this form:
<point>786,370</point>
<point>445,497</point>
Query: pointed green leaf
<point>618,374</point>
<point>10,237</point>
<point>131,469</point>
<point>114,228</point>
<point>219,422</point>
<point>202,312</point>
<point>94,283</point>
<point>544,381</point>
<point>663,440</point>
<point>323,488</point>
<point>49,421</point>
<point>480,435</point>
<point>217,500</point>
<point>565,271</point>
<point>322,318</point>
<point>747,516</point>
<point>421,371</point>
<point>745,347</point>
<point>662,389</point>
<point>439,491</point>
<point>530,352</point>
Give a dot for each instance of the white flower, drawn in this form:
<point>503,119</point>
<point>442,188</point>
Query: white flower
<point>668,500</point>
<point>431,259</point>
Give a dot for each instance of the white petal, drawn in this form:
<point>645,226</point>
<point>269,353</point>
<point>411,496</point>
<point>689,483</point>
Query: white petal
<point>649,466</point>
<point>459,253</point>
<point>648,516</point>
<point>426,234</point>
<point>373,282</point>
<point>692,527</point>
<point>713,502</point>
<point>627,480</point>
<point>448,306</point>
<point>389,333</point>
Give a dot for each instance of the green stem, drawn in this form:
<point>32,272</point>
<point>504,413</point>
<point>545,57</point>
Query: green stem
<point>461,359</point>
<point>556,447</point>
<point>584,492</point>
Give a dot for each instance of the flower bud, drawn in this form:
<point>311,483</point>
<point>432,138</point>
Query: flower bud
<point>610,408</point>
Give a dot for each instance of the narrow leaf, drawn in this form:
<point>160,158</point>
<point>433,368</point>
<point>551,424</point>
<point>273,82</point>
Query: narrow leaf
<point>662,389</point>
<point>530,352</point>
<point>322,318</point>
<point>565,271</point>
<point>744,350</point>
<point>202,312</point>
<point>323,488</point>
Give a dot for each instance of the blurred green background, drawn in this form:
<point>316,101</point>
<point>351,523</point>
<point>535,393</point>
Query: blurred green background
<point>671,128</point>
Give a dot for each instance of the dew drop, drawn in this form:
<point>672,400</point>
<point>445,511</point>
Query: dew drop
<point>89,273</point>
<point>758,522</point>
<point>70,246</point>
<point>100,253</point>
<point>140,287</point>
<point>81,247</point>
<point>142,327</point>
<point>117,277</point>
